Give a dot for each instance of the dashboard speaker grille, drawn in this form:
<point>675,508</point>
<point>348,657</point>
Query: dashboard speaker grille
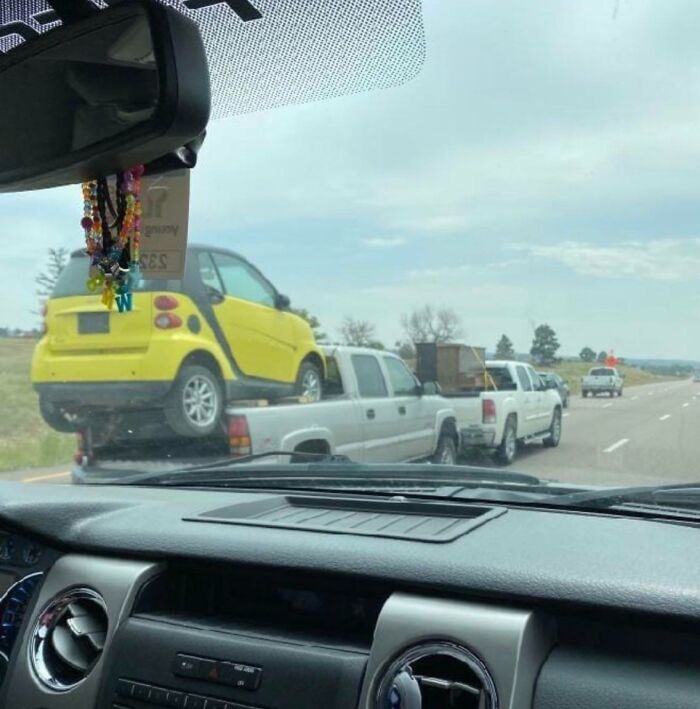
<point>68,638</point>
<point>434,676</point>
<point>397,518</point>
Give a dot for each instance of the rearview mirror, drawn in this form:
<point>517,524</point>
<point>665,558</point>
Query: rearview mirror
<point>123,87</point>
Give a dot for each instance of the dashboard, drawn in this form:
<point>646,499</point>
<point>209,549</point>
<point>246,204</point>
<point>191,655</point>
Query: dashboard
<point>239,600</point>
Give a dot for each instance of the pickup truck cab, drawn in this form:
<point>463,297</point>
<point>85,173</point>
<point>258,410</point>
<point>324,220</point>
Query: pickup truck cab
<point>374,411</point>
<point>513,407</point>
<point>602,380</point>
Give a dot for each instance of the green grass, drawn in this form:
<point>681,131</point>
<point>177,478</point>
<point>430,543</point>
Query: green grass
<point>573,371</point>
<point>25,440</point>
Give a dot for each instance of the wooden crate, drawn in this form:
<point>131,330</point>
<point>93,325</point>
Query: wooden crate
<point>460,366</point>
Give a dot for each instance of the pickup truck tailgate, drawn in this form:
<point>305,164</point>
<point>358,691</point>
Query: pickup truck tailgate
<point>467,409</point>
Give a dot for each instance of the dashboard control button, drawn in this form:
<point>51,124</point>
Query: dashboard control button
<point>124,687</point>
<point>241,676</point>
<point>209,670</point>
<point>175,699</point>
<point>158,695</point>
<point>193,701</point>
<point>141,691</point>
<point>186,666</point>
<point>215,703</point>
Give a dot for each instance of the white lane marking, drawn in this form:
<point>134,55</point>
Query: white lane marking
<point>566,414</point>
<point>664,417</point>
<point>607,406</point>
<point>686,405</point>
<point>634,398</point>
<point>615,446</point>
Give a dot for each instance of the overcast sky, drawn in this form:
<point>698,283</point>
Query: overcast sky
<point>543,167</point>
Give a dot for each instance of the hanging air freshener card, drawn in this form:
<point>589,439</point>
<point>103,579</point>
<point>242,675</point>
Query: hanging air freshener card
<point>166,208</point>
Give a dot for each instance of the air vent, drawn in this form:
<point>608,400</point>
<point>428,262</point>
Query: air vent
<point>435,676</point>
<point>397,518</point>
<point>68,638</point>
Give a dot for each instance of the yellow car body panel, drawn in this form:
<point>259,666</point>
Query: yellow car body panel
<point>132,350</point>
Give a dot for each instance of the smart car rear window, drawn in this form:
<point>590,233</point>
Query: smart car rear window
<point>73,280</point>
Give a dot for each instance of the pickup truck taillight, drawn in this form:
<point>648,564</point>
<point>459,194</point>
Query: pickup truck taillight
<point>239,436</point>
<point>488,411</point>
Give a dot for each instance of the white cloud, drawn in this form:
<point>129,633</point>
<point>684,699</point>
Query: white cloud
<point>384,243</point>
<point>657,260</point>
<point>434,223</point>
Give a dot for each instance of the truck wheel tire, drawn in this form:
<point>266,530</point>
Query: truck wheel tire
<point>309,382</point>
<point>506,452</point>
<point>446,451</point>
<point>619,393</point>
<point>195,403</point>
<point>554,435</point>
<point>565,403</point>
<point>584,394</point>
<point>54,417</point>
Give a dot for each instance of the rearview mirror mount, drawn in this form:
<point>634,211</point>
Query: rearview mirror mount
<point>125,86</point>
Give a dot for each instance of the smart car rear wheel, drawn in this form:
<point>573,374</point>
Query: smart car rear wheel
<point>195,402</point>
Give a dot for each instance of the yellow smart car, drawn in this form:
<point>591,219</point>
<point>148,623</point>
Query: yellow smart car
<point>221,333</point>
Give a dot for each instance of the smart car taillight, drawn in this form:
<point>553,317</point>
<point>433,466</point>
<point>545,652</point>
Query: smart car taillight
<point>239,435</point>
<point>488,411</point>
<point>166,302</point>
<point>167,321</point>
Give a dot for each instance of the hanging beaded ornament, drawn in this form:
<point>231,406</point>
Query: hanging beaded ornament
<point>114,258</point>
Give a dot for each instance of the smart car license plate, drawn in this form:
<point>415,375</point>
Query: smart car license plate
<point>93,323</point>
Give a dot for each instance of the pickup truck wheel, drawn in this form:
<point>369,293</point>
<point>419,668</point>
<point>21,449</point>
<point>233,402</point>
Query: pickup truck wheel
<point>619,393</point>
<point>554,435</point>
<point>506,452</point>
<point>446,451</point>
<point>309,382</point>
<point>195,402</point>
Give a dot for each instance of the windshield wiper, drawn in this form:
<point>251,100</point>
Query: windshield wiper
<point>678,495</point>
<point>326,470</point>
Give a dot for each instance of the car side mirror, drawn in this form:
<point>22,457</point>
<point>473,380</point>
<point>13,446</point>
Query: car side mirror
<point>215,297</point>
<point>429,389</point>
<point>124,86</point>
<point>282,302</point>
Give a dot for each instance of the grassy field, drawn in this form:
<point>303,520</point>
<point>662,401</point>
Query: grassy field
<point>25,440</point>
<point>573,371</point>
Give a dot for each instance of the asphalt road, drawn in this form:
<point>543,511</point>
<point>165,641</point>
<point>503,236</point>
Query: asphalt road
<point>650,435</point>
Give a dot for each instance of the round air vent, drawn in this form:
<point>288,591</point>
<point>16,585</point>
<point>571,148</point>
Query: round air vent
<point>435,676</point>
<point>68,638</point>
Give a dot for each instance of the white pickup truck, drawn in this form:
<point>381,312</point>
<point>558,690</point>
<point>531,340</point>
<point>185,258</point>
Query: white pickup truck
<point>602,380</point>
<point>374,410</point>
<point>512,407</point>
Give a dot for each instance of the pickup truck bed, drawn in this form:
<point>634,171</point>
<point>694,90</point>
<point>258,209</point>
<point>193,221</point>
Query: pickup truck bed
<point>374,411</point>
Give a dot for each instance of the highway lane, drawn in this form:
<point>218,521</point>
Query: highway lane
<point>651,435</point>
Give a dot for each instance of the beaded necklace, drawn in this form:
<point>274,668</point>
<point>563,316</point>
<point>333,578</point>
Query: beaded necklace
<point>114,258</point>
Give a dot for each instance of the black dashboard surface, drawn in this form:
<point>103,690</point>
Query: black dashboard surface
<point>609,562</point>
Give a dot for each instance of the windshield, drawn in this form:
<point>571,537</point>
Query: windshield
<point>396,271</point>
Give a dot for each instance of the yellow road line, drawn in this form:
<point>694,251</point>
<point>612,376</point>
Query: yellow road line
<point>51,476</point>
